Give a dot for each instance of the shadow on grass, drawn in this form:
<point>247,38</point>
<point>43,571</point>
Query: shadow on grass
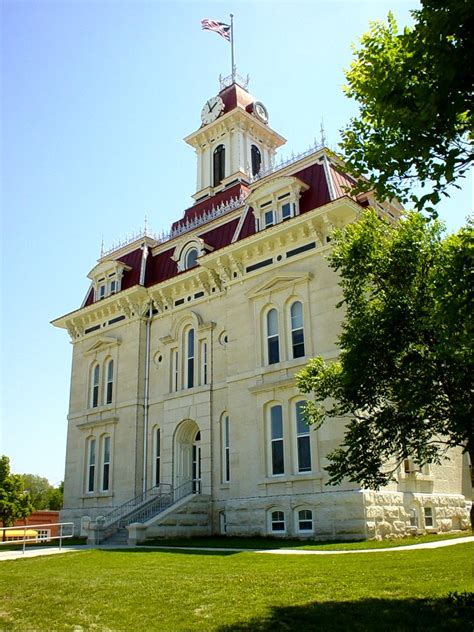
<point>454,612</point>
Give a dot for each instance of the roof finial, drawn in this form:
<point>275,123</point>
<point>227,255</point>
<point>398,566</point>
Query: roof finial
<point>102,247</point>
<point>323,134</point>
<point>145,228</point>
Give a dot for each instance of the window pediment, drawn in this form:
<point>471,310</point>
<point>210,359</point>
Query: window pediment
<point>104,342</point>
<point>280,282</point>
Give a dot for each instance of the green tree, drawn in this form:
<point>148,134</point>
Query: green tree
<point>42,494</point>
<point>14,502</point>
<point>404,377</point>
<point>415,94</point>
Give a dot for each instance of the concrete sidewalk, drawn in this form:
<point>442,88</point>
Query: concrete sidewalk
<point>38,552</point>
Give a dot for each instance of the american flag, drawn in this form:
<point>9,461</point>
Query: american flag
<point>218,27</point>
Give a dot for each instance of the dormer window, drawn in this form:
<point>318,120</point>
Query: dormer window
<point>188,251</point>
<point>191,259</point>
<point>106,278</point>
<point>276,201</point>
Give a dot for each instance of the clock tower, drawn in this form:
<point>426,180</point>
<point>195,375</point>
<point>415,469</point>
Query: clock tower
<point>234,141</point>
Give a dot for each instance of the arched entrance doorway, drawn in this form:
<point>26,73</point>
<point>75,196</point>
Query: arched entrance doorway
<point>187,459</point>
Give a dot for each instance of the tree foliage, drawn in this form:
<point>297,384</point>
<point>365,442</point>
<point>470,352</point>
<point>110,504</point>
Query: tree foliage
<point>42,494</point>
<point>404,377</point>
<point>415,94</point>
<point>14,502</point>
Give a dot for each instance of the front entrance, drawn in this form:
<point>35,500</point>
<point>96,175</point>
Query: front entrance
<point>187,459</point>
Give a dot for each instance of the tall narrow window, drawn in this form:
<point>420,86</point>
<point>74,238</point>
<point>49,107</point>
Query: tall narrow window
<point>101,291</point>
<point>190,358</point>
<point>157,457</point>
<point>174,370</point>
<point>256,159</point>
<point>225,450</point>
<point>413,513</point>
<point>106,464</point>
<point>91,466</point>
<point>297,330</point>
<point>109,388</point>
<point>273,346</point>
<point>219,164</point>
<point>95,386</point>
<point>276,433</point>
<point>203,362</point>
<point>269,218</point>
<point>303,443</point>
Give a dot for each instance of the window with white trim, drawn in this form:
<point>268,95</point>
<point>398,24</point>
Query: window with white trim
<point>413,514</point>
<point>297,330</point>
<point>174,370</point>
<point>225,442</point>
<point>256,158</point>
<point>95,386</point>
<point>191,259</point>
<point>156,457</point>
<point>190,358</point>
<point>203,355</point>
<point>109,385</point>
<point>305,520</point>
<point>277,521</point>
<point>303,439</point>
<point>429,516</point>
<point>91,459</point>
<point>277,455</point>
<point>273,343</point>
<point>105,463</point>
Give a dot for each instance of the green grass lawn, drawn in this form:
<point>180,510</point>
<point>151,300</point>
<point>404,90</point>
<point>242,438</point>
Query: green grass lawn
<point>143,590</point>
<point>308,545</point>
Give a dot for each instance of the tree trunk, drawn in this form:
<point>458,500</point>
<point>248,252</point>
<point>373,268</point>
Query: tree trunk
<point>470,451</point>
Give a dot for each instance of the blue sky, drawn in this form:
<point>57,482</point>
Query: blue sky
<point>96,98</point>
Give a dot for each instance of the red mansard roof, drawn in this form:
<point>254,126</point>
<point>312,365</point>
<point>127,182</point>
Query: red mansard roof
<point>234,96</point>
<point>161,267</point>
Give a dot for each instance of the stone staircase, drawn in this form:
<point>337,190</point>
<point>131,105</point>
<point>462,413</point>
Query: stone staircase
<point>158,512</point>
<point>188,517</point>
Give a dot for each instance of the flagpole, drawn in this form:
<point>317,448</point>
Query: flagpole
<point>232,45</point>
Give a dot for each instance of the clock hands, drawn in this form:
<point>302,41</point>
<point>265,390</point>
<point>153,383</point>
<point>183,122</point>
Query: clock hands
<point>211,108</point>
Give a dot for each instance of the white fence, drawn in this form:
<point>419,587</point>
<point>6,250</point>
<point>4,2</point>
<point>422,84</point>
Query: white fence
<point>37,533</point>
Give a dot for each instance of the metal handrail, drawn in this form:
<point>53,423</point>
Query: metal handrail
<point>130,505</point>
<point>153,501</point>
<point>33,527</point>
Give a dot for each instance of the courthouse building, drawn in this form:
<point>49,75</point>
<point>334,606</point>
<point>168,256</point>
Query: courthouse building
<point>184,416</point>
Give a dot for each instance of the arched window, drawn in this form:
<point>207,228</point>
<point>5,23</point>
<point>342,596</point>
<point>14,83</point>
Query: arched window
<point>191,259</point>
<point>276,441</point>
<point>297,330</point>
<point>413,513</point>
<point>105,463</point>
<point>109,386</point>
<point>305,520</point>
<point>190,358</point>
<point>157,457</point>
<point>95,386</point>
<point>91,459</point>
<point>273,346</point>
<point>219,164</point>
<point>303,442</point>
<point>277,521</point>
<point>256,159</point>
<point>225,443</point>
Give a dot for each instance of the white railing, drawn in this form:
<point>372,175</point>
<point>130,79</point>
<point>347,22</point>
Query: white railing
<point>65,531</point>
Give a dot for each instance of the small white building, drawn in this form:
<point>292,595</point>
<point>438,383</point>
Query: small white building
<point>184,417</point>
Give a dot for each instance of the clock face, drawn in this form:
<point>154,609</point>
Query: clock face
<point>211,109</point>
<point>260,111</point>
